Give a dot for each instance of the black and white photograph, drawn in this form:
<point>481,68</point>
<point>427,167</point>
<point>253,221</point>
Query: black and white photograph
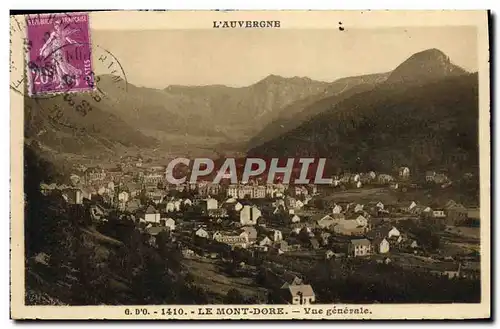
<point>251,165</point>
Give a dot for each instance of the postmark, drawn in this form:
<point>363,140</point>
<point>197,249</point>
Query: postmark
<point>59,57</point>
<point>107,81</point>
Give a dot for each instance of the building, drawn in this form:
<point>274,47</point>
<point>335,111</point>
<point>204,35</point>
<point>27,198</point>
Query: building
<point>249,215</point>
<point>123,197</point>
<point>169,222</point>
<point>218,213</point>
<point>349,227</point>
<point>152,215</point>
<point>438,213</point>
<point>404,172</point>
<point>153,178</point>
<point>202,233</point>
<point>323,221</point>
<point>337,209</point>
<point>233,240</point>
<point>360,247</point>
<point>94,174</point>
<point>381,246</point>
<point>73,196</point>
<point>250,232</point>
<point>299,294</point>
<point>455,213</point>
<point>232,191</point>
<point>277,236</point>
<point>429,176</point>
<point>211,203</point>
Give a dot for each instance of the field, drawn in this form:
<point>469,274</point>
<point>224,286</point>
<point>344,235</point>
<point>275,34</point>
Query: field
<point>210,276</point>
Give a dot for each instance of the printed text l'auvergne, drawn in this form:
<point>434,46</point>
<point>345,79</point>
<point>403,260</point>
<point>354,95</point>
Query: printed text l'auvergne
<point>246,24</point>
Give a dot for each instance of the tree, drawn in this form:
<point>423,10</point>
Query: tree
<point>234,297</point>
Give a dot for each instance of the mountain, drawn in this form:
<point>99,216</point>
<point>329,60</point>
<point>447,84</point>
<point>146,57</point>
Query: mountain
<point>59,123</point>
<point>427,125</point>
<point>425,66</point>
<point>300,111</point>
<point>208,111</point>
<point>420,68</point>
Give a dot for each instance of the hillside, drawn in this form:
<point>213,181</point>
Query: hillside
<point>424,126</point>
<point>420,68</point>
<point>300,111</point>
<point>425,66</point>
<point>208,111</point>
<point>57,124</point>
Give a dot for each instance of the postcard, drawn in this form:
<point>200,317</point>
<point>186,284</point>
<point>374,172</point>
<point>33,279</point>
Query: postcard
<point>250,165</point>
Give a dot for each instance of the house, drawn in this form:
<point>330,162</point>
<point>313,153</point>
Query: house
<point>94,174</point>
<point>169,222</point>
<point>408,206</point>
<point>441,178</point>
<point>238,206</point>
<point>381,246</point>
<point>337,218</point>
<point>187,253</point>
<point>73,195</point>
<point>448,269</point>
<point>314,243</point>
<point>218,213</point>
<point>349,227</point>
<point>294,219</point>
<point>360,247</point>
<point>123,197</point>
<point>170,207</point>
<point>152,215</point>
<point>362,221</point>
<point>277,236</point>
<point>438,213</point>
<point>325,238</point>
<point>265,242</point>
<point>249,215</point>
<point>301,294</point>
<point>384,179</point>
<point>358,208</point>
<point>233,240</point>
<point>323,221</point>
<point>250,232</point>
<point>211,203</point>
<point>473,215</point>
<point>97,213</point>
<point>133,205</point>
<point>290,279</point>
<point>87,192</point>
<point>393,232</point>
<point>337,209</point>
<point>202,233</point>
<point>404,172</point>
<point>429,176</point>
<point>153,232</point>
<point>282,245</point>
<point>455,213</point>
<point>290,202</point>
<point>414,244</point>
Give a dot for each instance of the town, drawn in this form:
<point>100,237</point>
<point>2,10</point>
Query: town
<point>274,243</point>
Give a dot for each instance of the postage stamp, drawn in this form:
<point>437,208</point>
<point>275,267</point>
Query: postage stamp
<point>250,165</point>
<point>59,57</point>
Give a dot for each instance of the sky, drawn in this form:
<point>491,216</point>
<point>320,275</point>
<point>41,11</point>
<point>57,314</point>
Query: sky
<point>240,57</point>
